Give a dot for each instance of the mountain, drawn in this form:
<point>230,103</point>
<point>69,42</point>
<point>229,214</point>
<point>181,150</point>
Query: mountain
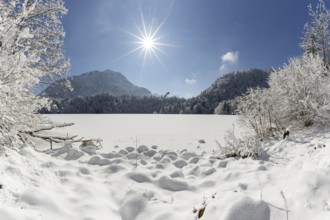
<point>219,98</point>
<point>235,84</point>
<point>94,83</point>
<point>221,94</point>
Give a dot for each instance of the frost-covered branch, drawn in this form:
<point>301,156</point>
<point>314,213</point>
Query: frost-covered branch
<point>31,48</point>
<point>26,136</point>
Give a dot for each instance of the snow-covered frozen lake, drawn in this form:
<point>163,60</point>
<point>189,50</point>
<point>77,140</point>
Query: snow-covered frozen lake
<point>165,131</point>
<point>164,182</point>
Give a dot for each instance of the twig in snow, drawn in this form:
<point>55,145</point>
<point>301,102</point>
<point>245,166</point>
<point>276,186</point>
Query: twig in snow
<point>286,204</point>
<point>136,159</point>
<point>200,210</point>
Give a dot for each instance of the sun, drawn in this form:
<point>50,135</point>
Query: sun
<point>148,43</point>
<point>148,40</point>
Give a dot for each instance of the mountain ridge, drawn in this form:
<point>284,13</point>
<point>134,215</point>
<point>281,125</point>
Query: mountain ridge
<point>219,98</point>
<point>95,83</point>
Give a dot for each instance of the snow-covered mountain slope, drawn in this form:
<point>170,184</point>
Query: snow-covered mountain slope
<point>148,182</point>
<point>94,83</point>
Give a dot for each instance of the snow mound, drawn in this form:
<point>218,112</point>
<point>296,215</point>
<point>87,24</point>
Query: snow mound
<point>90,149</point>
<point>97,160</point>
<point>139,177</point>
<point>67,152</point>
<point>187,155</point>
<point>177,174</point>
<point>114,168</point>
<point>171,184</point>
<point>142,149</point>
<point>209,171</point>
<point>248,208</point>
<point>150,153</point>
<point>180,163</point>
<point>132,206</point>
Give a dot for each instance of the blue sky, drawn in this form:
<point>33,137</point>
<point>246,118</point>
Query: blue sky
<point>201,39</point>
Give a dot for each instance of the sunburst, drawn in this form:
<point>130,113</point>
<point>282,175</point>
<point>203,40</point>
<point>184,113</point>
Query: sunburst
<point>148,41</point>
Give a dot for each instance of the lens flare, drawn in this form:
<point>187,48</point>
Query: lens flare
<point>148,40</point>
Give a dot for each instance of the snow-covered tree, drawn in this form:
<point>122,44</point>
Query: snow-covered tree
<point>316,39</point>
<point>298,96</point>
<point>309,41</point>
<point>31,51</point>
<point>301,92</point>
<point>256,109</point>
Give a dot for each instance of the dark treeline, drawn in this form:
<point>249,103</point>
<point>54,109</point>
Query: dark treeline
<point>219,98</point>
<point>106,103</point>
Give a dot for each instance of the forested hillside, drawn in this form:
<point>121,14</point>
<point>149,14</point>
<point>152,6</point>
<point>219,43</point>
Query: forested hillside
<point>94,83</point>
<point>218,98</point>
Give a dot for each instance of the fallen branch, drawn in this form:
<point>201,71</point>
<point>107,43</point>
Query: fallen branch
<point>279,208</point>
<point>286,204</point>
<point>50,138</point>
<point>52,127</point>
<point>56,139</point>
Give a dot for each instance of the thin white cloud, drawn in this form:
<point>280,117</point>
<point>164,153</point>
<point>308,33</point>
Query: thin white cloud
<point>222,67</point>
<point>190,81</point>
<point>228,59</point>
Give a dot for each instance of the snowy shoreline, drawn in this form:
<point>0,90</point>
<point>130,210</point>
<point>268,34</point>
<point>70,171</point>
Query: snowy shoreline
<point>168,132</point>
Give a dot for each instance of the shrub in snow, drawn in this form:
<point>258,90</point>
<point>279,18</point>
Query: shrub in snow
<point>302,90</point>
<point>256,111</point>
<point>298,96</point>
<point>245,147</point>
<point>90,146</point>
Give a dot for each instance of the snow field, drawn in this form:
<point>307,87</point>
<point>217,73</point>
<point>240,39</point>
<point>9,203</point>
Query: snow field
<point>167,132</point>
<point>148,182</point>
